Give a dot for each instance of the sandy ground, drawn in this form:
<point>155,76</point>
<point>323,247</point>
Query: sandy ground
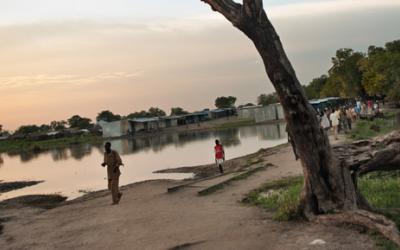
<point>150,218</point>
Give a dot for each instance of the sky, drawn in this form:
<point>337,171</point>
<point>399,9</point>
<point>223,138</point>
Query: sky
<point>65,57</point>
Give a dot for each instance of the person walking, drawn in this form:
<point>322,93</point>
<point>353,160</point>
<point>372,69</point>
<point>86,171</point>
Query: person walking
<point>325,123</point>
<point>219,155</point>
<point>334,117</point>
<point>113,161</point>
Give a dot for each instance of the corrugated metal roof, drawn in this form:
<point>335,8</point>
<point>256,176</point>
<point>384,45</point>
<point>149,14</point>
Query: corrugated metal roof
<point>318,101</point>
<point>145,119</point>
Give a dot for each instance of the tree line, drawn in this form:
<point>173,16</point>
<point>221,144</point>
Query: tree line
<point>79,122</point>
<point>375,74</point>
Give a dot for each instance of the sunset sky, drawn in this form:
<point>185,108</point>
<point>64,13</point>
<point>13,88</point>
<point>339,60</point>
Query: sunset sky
<point>65,57</point>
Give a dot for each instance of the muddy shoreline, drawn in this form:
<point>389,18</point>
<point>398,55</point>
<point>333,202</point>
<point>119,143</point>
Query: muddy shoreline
<point>10,186</point>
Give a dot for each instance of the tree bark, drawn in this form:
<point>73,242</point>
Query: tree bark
<point>329,185</point>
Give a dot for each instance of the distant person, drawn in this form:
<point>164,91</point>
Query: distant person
<point>113,161</point>
<point>334,117</point>
<point>325,123</point>
<point>219,155</point>
<point>370,106</point>
<point>349,118</point>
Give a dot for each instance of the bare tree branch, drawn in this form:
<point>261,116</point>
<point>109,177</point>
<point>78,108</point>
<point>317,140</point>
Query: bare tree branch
<point>379,154</point>
<point>252,8</point>
<point>228,8</point>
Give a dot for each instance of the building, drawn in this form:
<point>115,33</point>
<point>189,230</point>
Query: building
<point>331,102</point>
<point>145,125</point>
<point>137,125</point>
<point>115,129</point>
<point>194,118</point>
<point>4,137</point>
<point>221,113</point>
<point>321,104</point>
<point>260,114</point>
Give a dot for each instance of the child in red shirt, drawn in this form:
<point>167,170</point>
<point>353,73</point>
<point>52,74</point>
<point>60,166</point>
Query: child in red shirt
<point>219,155</point>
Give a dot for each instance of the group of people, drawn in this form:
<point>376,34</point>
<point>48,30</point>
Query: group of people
<point>340,119</point>
<point>113,162</point>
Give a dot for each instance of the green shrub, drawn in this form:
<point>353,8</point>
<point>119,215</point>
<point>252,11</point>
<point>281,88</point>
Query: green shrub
<point>282,197</point>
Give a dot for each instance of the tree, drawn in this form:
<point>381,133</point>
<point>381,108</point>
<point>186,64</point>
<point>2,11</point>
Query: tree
<point>140,114</point>
<point>246,105</point>
<point>225,102</point>
<point>3,132</point>
<point>381,70</point>
<point>44,128</point>
<point>153,112</point>
<point>178,111</point>
<point>156,112</point>
<point>266,100</point>
<point>108,116</point>
<point>313,90</point>
<point>394,93</point>
<point>27,129</point>
<point>80,122</point>
<point>345,74</point>
<point>58,125</point>
<point>328,183</point>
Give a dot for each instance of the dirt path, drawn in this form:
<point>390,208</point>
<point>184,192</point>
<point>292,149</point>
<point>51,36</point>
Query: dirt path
<point>150,218</point>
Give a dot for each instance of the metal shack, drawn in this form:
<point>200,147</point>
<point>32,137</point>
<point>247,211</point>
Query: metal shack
<point>259,114</point>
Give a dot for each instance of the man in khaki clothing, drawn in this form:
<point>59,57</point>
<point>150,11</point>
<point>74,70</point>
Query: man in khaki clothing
<point>112,160</point>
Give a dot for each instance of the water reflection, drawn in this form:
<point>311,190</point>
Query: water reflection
<point>59,154</point>
<point>229,138</point>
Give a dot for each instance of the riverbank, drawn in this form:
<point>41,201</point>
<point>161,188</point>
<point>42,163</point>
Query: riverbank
<point>149,217</point>
<point>23,145</point>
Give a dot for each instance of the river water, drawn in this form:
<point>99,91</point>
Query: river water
<point>75,170</point>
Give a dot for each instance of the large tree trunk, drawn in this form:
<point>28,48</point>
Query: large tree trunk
<point>328,183</point>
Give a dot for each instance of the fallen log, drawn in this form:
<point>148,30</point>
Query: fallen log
<point>378,154</point>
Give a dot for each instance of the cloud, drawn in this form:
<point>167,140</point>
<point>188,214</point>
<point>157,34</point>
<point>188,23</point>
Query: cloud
<point>39,80</point>
<point>327,7</point>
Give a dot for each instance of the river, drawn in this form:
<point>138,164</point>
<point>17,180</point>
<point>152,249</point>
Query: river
<point>75,170</point>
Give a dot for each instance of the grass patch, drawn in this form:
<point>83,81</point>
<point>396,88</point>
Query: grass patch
<point>235,124</point>
<point>221,185</point>
<point>281,197</point>
<point>15,146</point>
<point>382,243</point>
<point>382,190</point>
<point>365,129</point>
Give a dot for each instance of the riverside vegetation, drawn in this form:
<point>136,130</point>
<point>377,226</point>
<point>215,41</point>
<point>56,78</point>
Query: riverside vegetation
<point>15,146</point>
